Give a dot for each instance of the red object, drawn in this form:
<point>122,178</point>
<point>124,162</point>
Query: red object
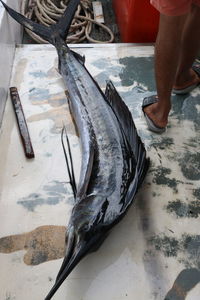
<point>137,20</point>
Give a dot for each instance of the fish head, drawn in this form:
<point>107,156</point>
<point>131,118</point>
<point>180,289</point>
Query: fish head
<point>86,232</point>
<point>89,218</point>
<point>87,228</point>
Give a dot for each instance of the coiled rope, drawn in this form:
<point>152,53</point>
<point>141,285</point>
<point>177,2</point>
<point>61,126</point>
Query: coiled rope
<point>47,12</point>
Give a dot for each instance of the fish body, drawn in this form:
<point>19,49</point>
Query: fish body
<point>98,128</point>
<point>114,159</point>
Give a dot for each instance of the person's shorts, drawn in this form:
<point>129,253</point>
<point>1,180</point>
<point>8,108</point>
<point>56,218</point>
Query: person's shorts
<point>174,7</point>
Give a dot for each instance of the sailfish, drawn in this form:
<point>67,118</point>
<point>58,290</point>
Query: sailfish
<point>114,160</point>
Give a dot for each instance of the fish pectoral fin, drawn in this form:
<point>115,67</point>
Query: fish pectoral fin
<point>69,161</point>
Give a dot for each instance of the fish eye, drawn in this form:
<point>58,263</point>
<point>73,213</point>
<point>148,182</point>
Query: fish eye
<point>83,229</point>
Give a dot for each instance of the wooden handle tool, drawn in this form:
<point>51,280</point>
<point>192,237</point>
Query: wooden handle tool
<point>21,121</point>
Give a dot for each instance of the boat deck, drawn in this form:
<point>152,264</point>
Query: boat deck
<point>154,253</point>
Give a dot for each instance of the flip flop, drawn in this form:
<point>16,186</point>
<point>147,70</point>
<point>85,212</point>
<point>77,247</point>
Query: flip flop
<point>191,85</point>
<point>151,125</point>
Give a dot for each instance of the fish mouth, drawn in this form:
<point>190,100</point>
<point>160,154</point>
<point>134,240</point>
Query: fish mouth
<point>77,248</point>
<point>75,251</point>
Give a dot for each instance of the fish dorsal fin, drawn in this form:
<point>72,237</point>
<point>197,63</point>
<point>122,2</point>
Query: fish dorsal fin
<point>139,166</point>
<point>124,117</point>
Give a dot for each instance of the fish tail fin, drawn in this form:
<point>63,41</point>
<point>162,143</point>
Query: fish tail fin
<point>41,30</point>
<point>69,161</point>
<point>65,21</point>
<point>53,32</point>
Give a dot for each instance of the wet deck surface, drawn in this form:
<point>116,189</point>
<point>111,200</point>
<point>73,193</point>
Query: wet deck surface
<point>154,253</point>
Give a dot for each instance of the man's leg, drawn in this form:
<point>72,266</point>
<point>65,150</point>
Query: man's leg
<point>167,53</point>
<point>189,48</point>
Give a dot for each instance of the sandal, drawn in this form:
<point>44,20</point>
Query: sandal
<point>151,125</point>
<point>191,85</point>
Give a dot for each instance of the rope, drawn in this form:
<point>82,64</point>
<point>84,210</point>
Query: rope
<point>47,12</point>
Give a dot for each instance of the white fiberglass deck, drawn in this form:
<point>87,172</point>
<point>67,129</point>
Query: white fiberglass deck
<point>154,253</point>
